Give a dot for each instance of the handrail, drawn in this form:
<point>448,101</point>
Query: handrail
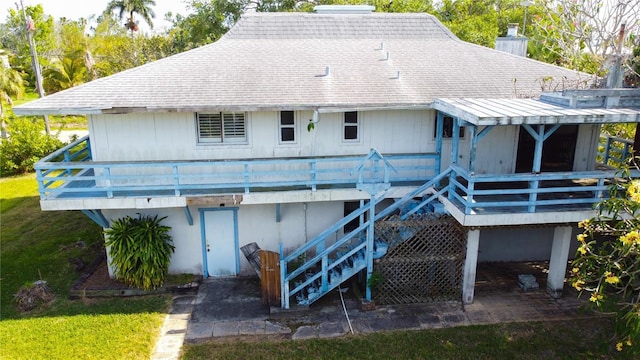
<point>529,191</point>
<point>615,150</point>
<point>74,177</point>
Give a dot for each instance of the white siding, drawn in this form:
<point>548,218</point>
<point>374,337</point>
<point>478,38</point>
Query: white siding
<point>586,147</point>
<point>496,151</point>
<point>172,136</point>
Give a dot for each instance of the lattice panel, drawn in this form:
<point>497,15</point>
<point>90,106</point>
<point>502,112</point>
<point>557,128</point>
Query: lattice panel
<point>424,262</point>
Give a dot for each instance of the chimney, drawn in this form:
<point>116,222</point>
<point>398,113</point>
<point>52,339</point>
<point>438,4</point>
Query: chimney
<point>512,43</point>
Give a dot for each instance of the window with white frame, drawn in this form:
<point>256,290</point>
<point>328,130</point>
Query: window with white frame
<point>287,127</point>
<point>222,127</point>
<point>351,128</point>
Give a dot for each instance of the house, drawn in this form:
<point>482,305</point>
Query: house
<point>297,131</point>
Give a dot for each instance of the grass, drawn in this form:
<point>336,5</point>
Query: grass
<point>56,122</point>
<point>39,245</point>
<point>576,339</point>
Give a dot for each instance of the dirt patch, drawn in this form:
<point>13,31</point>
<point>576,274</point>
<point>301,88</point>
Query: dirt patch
<point>100,279</point>
<point>31,296</point>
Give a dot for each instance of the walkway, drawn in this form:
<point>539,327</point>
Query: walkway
<point>232,307</point>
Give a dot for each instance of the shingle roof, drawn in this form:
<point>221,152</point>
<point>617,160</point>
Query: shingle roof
<point>277,61</point>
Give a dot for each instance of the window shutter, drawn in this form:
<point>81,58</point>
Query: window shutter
<point>234,126</point>
<point>210,127</point>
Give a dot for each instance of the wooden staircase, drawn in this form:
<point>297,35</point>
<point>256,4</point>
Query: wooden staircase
<point>306,278</point>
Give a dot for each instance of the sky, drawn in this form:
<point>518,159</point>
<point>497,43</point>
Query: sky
<point>75,9</point>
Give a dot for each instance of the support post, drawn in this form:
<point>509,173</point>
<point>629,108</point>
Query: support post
<point>470,266</point>
<point>558,261</point>
<point>372,216</point>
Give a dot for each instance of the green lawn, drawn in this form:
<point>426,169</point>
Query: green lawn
<point>39,245</point>
<point>57,122</point>
<point>580,339</point>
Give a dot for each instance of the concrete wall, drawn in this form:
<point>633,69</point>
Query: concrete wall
<point>299,222</point>
<point>519,244</point>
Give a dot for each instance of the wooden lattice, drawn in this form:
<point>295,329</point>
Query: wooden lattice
<point>424,261</point>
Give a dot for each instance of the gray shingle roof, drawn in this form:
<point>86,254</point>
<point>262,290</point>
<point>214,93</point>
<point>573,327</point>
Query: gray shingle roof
<point>276,61</point>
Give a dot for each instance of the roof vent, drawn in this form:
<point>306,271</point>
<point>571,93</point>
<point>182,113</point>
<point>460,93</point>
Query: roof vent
<point>344,9</point>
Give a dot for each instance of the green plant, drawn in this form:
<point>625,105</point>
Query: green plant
<point>27,143</point>
<point>375,280</point>
<point>140,250</point>
<point>606,266</point>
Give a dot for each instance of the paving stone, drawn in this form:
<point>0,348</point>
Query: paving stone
<point>331,330</point>
<point>275,328</point>
<point>429,321</point>
<point>199,331</point>
<point>226,328</point>
<point>252,327</point>
<point>305,332</point>
<point>480,317</point>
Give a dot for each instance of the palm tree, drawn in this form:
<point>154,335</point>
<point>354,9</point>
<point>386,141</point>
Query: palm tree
<point>68,71</point>
<point>11,84</point>
<point>141,7</point>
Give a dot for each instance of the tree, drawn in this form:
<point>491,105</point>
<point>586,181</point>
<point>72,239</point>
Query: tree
<point>607,266</point>
<point>208,21</point>
<point>479,22</point>
<point>11,85</point>
<point>131,7</point>
<point>16,41</point>
<point>583,35</point>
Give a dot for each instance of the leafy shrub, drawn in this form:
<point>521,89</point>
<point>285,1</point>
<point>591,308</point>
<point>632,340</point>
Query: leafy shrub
<point>140,250</point>
<point>27,143</point>
<point>607,266</point>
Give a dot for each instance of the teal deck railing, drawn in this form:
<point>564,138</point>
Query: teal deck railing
<point>334,262</point>
<point>71,173</point>
<point>509,193</point>
<point>614,151</point>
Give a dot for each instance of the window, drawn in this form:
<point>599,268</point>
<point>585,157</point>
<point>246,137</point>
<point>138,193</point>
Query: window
<point>447,128</point>
<point>350,125</point>
<point>287,127</point>
<point>222,128</point>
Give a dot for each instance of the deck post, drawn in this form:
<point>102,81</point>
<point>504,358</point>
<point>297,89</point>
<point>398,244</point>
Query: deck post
<point>439,129</point>
<point>370,239</point>
<point>558,261</point>
<point>470,266</point>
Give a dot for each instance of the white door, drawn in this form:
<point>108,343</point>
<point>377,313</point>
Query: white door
<point>221,242</point>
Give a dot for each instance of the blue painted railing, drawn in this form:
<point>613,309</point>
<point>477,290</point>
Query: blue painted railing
<point>553,191</point>
<point>70,173</point>
<point>329,260</point>
<point>614,151</point>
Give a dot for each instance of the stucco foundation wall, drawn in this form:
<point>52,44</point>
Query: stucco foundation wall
<point>519,244</point>
<point>186,239</point>
<point>299,222</point>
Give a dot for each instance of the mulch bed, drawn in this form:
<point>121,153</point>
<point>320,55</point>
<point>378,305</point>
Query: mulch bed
<point>96,282</point>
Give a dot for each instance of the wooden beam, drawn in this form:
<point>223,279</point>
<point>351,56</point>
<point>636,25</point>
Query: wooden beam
<point>216,200</point>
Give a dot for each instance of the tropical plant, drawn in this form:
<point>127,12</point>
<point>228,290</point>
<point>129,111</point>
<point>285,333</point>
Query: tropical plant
<point>607,263</point>
<point>131,7</point>
<point>11,85</point>
<point>140,250</point>
<point>27,143</point>
<point>67,72</point>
